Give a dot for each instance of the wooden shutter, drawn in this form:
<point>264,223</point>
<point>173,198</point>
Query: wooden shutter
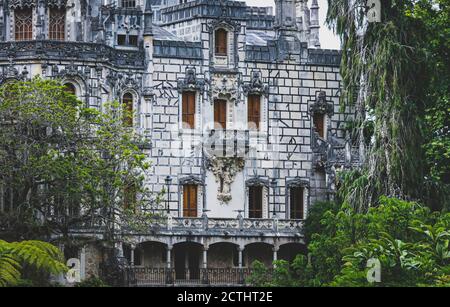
<point>190,200</point>
<point>255,202</point>
<point>254,110</point>
<point>220,114</point>
<point>221,42</point>
<point>296,203</point>
<point>188,109</point>
<point>319,123</point>
<point>127,101</point>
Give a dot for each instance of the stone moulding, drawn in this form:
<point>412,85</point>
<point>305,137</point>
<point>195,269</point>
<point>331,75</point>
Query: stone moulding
<point>225,170</point>
<point>55,50</point>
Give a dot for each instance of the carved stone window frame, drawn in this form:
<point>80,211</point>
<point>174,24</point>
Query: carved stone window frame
<point>258,182</point>
<point>190,83</point>
<point>233,28</point>
<point>191,180</point>
<point>297,182</point>
<point>256,86</point>
<point>323,107</point>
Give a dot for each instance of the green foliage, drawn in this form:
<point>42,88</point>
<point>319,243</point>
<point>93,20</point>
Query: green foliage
<point>395,76</point>
<point>410,241</point>
<point>73,164</point>
<point>40,255</point>
<point>92,282</point>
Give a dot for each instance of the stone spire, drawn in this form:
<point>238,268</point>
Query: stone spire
<point>148,18</point>
<point>314,25</point>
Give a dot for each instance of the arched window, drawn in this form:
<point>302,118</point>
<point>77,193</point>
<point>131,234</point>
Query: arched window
<point>221,42</point>
<point>23,27</point>
<point>57,24</point>
<point>70,88</point>
<point>127,101</point>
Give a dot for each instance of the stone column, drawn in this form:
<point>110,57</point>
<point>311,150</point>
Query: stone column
<point>132,255</point>
<point>205,257</point>
<point>275,254</point>
<point>168,265</point>
<point>240,251</point>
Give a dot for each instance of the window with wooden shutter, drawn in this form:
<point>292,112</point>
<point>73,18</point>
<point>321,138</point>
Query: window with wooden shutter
<point>57,24</point>
<point>255,202</point>
<point>296,203</point>
<point>127,101</point>
<point>254,111</point>
<point>188,110</point>
<point>190,200</point>
<point>319,124</point>
<point>220,114</point>
<point>23,19</point>
<point>221,42</point>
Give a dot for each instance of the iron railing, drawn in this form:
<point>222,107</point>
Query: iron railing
<point>147,277</point>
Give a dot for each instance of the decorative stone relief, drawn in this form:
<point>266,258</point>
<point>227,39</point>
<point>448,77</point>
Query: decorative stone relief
<point>256,85</point>
<point>321,105</point>
<point>225,86</point>
<point>12,73</point>
<point>190,82</point>
<point>225,170</point>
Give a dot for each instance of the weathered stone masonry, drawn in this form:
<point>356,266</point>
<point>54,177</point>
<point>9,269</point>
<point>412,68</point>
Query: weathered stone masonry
<point>157,51</point>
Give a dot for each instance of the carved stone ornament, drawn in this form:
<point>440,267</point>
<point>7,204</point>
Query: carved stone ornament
<point>190,82</point>
<point>256,85</point>
<point>321,105</point>
<point>11,73</point>
<point>225,170</point>
<point>225,87</point>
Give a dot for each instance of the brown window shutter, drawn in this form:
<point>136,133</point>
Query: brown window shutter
<point>319,123</point>
<point>221,42</point>
<point>220,114</point>
<point>254,110</point>
<point>296,203</point>
<point>255,202</point>
<point>190,200</point>
<point>188,109</point>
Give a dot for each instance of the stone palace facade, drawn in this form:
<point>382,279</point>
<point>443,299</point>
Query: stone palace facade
<point>240,106</point>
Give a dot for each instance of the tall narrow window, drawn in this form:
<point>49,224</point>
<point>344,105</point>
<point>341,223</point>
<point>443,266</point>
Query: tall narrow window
<point>296,203</point>
<point>188,110</point>
<point>128,3</point>
<point>23,19</point>
<point>255,202</point>
<point>221,42</point>
<point>220,114</point>
<point>319,124</point>
<point>127,101</point>
<point>190,200</point>
<point>254,111</point>
<point>57,24</point>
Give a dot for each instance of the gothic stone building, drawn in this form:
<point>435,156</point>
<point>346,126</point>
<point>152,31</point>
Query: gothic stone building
<point>240,106</point>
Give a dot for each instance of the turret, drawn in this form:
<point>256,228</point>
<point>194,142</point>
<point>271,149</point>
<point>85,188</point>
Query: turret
<point>148,18</point>
<point>314,26</point>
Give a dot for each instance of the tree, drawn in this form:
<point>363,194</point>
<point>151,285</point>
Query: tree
<point>390,79</point>
<point>64,165</point>
<point>40,255</point>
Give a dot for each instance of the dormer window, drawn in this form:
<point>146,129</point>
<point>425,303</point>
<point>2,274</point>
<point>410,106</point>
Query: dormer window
<point>23,24</point>
<point>128,4</point>
<point>57,24</point>
<point>221,42</point>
